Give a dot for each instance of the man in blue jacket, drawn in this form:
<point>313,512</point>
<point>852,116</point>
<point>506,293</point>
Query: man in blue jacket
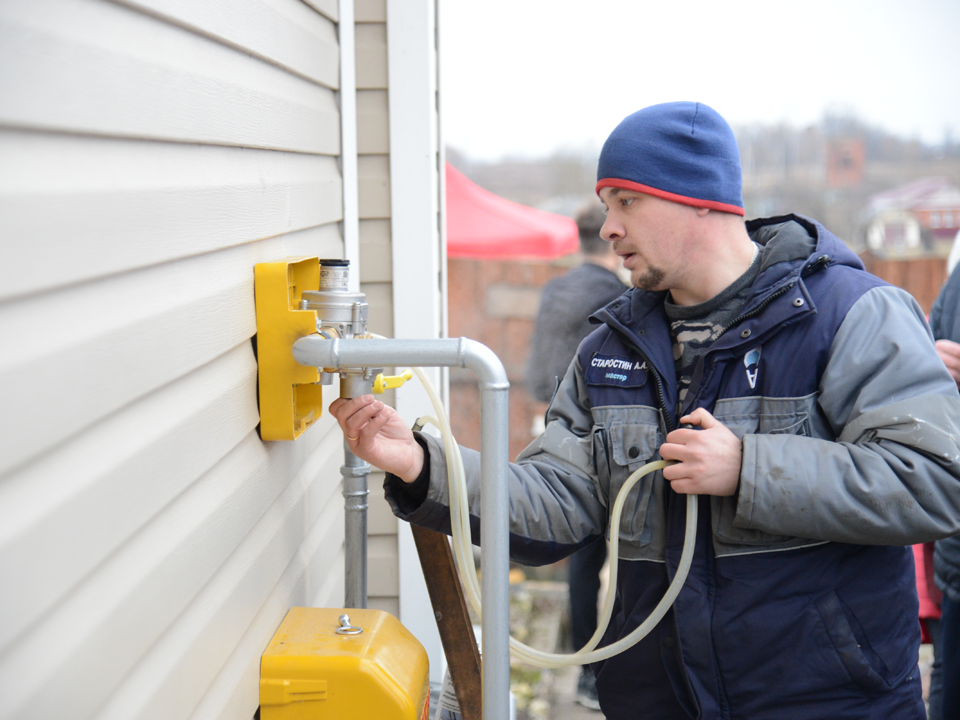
<point>802,399</point>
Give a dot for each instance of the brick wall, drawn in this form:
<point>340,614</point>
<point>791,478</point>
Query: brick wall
<point>495,302</point>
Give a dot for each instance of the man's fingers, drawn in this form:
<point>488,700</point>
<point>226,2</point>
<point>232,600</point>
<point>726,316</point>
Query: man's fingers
<point>948,352</point>
<point>949,347</point>
<point>354,414</point>
<point>343,408</point>
<point>363,417</point>
<point>336,405</point>
<point>675,472</point>
<point>375,423</point>
<point>685,461</point>
<point>678,437</point>
<point>951,362</point>
<point>700,417</point>
<point>672,451</point>
<point>684,486</point>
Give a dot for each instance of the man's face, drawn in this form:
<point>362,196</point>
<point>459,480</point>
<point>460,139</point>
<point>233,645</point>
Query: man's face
<point>650,235</point>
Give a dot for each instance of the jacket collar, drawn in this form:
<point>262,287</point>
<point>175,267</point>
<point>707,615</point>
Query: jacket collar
<point>793,246</point>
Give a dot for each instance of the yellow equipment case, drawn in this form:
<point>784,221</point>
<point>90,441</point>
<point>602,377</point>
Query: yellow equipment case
<point>319,666</point>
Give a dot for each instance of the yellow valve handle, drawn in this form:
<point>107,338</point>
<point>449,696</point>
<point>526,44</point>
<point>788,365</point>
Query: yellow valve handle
<point>390,381</point>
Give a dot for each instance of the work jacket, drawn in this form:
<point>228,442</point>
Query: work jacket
<point>801,600</point>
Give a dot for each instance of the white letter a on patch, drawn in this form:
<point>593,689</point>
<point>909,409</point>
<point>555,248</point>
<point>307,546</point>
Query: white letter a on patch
<point>751,361</point>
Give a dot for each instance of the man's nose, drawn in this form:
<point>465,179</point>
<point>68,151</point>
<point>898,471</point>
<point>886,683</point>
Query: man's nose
<point>611,230</point>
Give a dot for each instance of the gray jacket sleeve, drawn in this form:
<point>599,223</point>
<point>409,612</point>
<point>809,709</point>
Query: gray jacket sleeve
<point>892,477</point>
<point>554,506</point>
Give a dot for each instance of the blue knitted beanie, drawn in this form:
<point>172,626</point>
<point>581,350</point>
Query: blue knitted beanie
<point>681,151</point>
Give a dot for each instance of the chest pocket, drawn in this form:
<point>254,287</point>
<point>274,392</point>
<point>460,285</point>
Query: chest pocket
<point>619,450</point>
<point>765,416</point>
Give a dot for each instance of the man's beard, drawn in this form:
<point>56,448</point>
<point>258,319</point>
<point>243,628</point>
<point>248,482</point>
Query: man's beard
<point>651,279</point>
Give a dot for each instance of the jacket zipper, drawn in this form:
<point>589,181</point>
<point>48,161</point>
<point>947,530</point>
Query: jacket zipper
<point>759,309</point>
<point>816,266</point>
<point>661,397</point>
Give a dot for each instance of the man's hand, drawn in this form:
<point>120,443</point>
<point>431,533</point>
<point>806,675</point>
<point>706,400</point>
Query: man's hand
<point>708,460</point>
<point>949,353</point>
<point>376,433</point>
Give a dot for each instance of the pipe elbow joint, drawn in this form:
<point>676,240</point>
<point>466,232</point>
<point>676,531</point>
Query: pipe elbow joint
<point>484,363</point>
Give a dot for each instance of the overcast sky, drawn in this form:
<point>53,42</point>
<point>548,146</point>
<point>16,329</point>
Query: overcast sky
<point>527,77</point>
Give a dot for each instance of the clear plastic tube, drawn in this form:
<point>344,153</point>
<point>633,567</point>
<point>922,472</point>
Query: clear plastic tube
<point>463,552</point>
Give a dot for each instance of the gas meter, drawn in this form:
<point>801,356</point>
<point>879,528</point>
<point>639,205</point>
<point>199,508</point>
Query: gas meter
<point>323,664</point>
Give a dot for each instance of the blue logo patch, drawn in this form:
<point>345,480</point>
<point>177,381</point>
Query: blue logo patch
<point>617,371</point>
<point>751,362</point>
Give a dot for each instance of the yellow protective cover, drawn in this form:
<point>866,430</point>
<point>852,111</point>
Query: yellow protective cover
<point>291,398</point>
<point>308,671</point>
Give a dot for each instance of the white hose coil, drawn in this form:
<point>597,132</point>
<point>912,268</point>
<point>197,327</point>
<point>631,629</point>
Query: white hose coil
<point>463,550</point>
<point>463,553</point>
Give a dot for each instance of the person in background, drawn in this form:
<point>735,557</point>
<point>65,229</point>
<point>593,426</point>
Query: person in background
<point>562,323</point>
<point>945,679</point>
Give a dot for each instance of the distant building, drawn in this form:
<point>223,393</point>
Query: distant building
<point>921,216</point>
<point>894,231</point>
<point>845,162</point>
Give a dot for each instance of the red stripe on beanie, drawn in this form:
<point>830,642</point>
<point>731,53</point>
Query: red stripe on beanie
<point>672,197</point>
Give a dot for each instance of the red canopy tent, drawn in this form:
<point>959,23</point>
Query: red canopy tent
<point>484,226</point>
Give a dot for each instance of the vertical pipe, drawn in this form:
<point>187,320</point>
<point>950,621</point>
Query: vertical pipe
<point>354,473</point>
<point>494,548</point>
<point>348,138</point>
<point>316,351</point>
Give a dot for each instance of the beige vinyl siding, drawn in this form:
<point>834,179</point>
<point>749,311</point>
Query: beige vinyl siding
<point>106,341</point>
<point>373,147</point>
<point>154,80</point>
<point>373,129</point>
<point>370,11</point>
<point>150,542</point>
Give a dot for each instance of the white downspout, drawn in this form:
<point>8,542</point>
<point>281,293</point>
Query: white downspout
<point>348,142</point>
<point>354,471</point>
<point>416,253</point>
